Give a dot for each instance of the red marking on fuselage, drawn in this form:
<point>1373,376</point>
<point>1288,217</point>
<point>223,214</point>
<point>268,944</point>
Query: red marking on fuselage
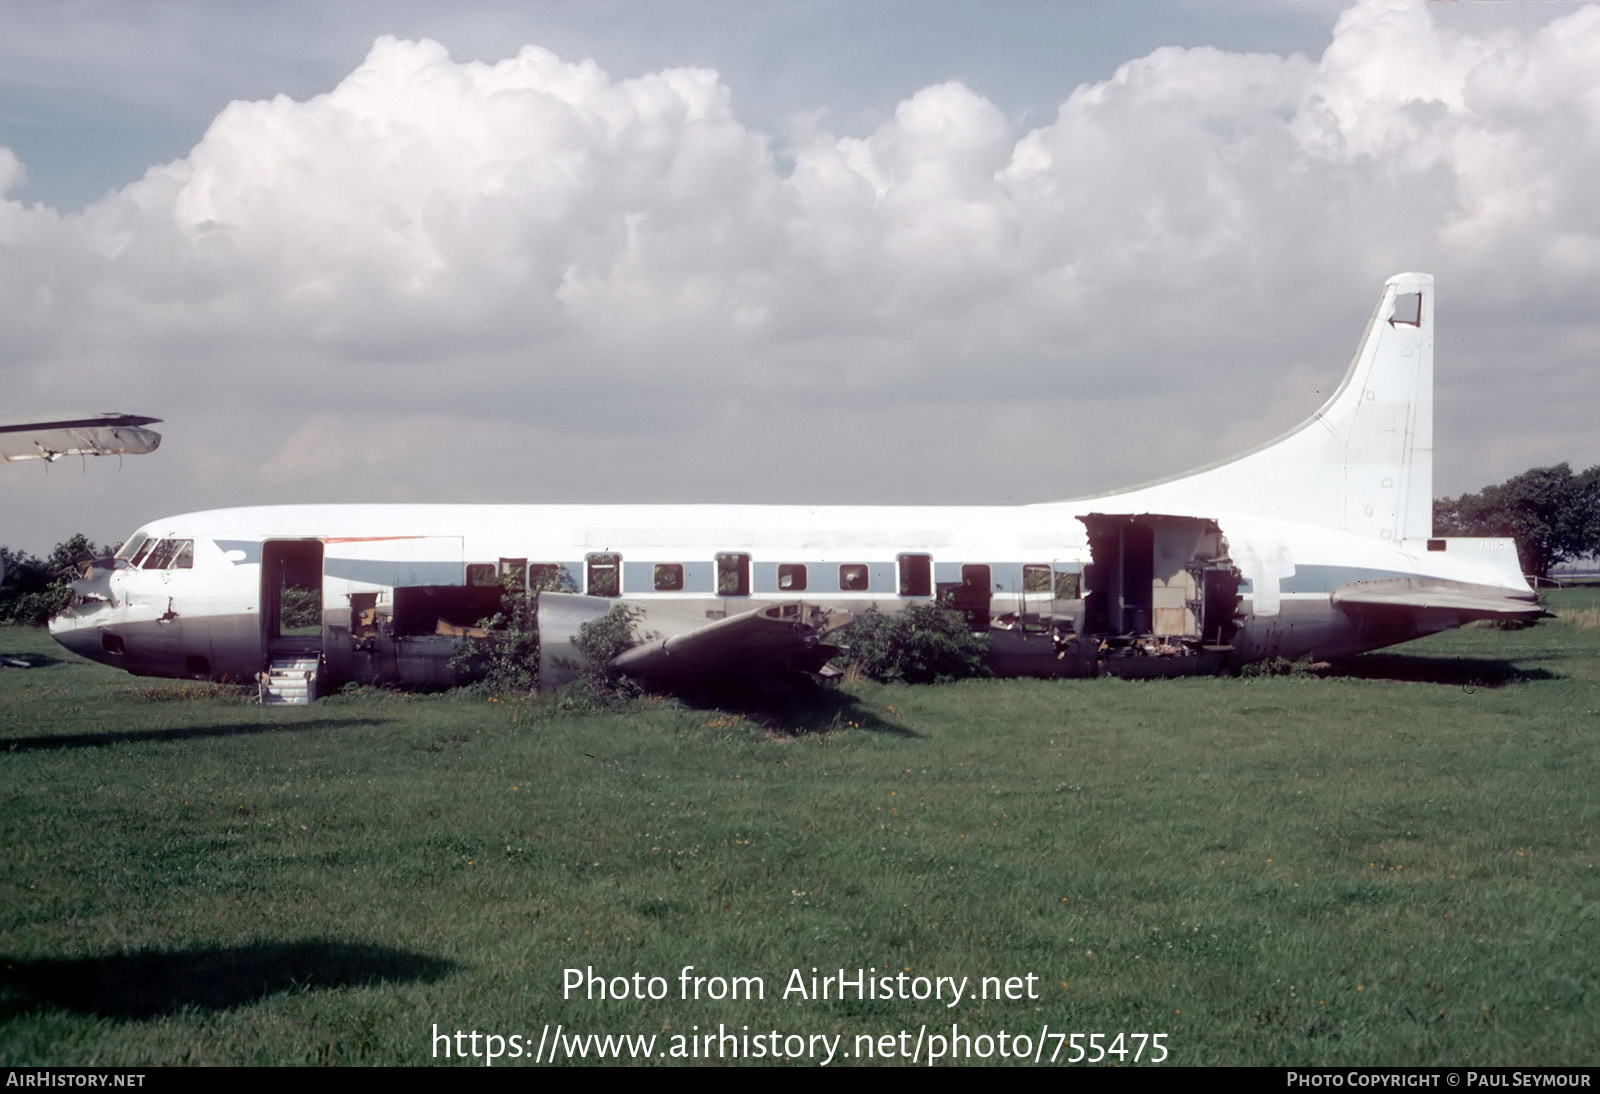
<point>366,539</point>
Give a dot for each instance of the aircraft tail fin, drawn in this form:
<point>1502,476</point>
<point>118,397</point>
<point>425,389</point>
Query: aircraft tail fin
<point>1363,463</point>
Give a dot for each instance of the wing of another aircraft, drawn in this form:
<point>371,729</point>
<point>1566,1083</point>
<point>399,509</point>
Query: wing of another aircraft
<point>106,434</point>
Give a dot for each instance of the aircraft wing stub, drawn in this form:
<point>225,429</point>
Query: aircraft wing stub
<point>787,635</point>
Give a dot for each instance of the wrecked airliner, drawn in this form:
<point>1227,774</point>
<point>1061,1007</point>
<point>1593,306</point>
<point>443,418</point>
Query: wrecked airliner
<point>1319,543</point>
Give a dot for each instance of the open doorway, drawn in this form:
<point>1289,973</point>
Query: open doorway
<point>291,594</point>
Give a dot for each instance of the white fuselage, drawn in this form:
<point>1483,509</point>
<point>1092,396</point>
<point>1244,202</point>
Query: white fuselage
<point>215,616</point>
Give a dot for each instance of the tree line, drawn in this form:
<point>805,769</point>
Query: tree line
<point>32,589</point>
<point>1552,513</point>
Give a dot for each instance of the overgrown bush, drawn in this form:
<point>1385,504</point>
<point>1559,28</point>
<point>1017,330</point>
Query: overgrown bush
<point>1277,666</point>
<point>506,661</point>
<point>597,684</point>
<point>924,644</point>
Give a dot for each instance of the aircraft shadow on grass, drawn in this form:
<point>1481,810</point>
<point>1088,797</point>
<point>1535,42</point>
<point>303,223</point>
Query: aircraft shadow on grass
<point>1452,671</point>
<point>182,733</point>
<point>148,984</point>
<point>29,660</point>
<point>794,710</point>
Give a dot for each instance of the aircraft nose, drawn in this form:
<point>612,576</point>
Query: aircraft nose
<point>75,635</point>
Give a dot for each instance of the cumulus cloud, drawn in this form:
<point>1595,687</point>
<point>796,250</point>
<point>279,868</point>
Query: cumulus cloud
<point>11,171</point>
<point>442,267</point>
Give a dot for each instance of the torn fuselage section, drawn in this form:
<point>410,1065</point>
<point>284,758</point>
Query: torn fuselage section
<point>94,585</point>
<point>1161,594</point>
<point>409,635</point>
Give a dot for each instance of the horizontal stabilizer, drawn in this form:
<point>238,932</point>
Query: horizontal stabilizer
<point>1466,600</point>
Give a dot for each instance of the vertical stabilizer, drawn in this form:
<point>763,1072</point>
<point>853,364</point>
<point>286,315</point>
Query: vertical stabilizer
<point>1363,463</point>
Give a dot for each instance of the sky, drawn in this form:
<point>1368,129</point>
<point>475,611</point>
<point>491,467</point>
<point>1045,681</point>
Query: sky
<point>808,252</point>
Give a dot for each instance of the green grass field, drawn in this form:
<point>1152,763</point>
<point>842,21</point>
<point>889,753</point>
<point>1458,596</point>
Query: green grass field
<point>1399,864</point>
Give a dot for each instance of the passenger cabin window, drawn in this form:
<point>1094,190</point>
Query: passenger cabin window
<point>549,577</point>
<point>853,578</point>
<point>1037,578</point>
<point>733,575</point>
<point>516,569</point>
<point>916,575</point>
<point>972,597</point>
<point>604,573</point>
<point>668,577</point>
<point>481,575</point>
<point>792,577</point>
<point>1069,586</point>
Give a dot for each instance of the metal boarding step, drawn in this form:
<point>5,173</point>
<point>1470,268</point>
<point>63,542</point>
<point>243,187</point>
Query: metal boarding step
<point>291,680</point>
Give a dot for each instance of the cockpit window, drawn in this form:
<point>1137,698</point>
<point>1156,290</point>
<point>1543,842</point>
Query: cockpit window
<point>160,555</point>
<point>135,541</point>
<point>144,549</point>
<point>169,554</point>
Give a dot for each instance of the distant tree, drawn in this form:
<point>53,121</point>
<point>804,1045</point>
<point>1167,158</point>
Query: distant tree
<point>299,607</point>
<point>1553,514</point>
<point>70,556</point>
<point>26,580</point>
<point>35,590</point>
